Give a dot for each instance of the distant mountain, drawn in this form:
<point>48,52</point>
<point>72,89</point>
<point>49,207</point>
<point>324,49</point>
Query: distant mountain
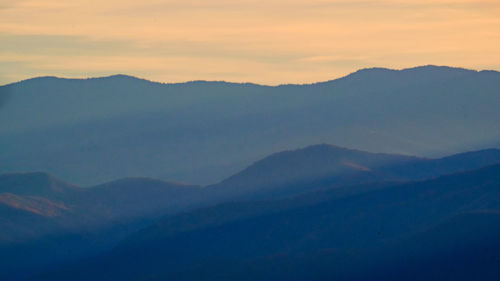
<point>317,167</point>
<point>41,197</point>
<point>89,131</point>
<point>312,162</point>
<point>412,230</point>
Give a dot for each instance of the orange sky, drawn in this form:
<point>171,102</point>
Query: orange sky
<point>270,42</point>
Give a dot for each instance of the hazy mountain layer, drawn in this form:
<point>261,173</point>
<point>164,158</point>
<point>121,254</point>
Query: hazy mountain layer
<point>317,167</point>
<point>95,130</point>
<point>70,208</point>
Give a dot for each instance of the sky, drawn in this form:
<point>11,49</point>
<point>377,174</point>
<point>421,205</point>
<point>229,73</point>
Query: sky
<point>268,42</point>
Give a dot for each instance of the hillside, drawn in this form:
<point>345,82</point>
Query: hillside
<point>50,206</point>
<point>281,175</point>
<point>339,239</point>
<point>51,221</point>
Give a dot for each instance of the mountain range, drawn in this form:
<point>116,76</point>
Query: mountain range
<point>52,222</point>
<point>445,228</point>
<point>90,131</point>
<point>280,175</point>
<point>121,178</point>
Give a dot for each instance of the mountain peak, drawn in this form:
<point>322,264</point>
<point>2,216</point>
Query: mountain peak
<point>312,162</point>
<point>430,68</point>
<point>119,77</point>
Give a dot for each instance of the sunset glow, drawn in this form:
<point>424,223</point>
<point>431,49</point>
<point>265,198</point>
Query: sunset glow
<point>270,42</point>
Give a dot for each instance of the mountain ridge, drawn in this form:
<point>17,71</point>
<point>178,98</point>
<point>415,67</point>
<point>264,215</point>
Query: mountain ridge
<point>93,124</point>
<point>359,71</point>
<point>324,166</point>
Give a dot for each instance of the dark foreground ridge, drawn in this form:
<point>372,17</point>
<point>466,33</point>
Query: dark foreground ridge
<point>46,222</point>
<point>441,229</point>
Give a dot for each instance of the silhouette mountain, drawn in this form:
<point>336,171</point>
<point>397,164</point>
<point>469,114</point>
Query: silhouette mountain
<point>90,131</point>
<point>404,230</point>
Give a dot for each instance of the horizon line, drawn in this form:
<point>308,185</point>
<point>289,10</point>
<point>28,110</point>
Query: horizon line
<point>252,83</point>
